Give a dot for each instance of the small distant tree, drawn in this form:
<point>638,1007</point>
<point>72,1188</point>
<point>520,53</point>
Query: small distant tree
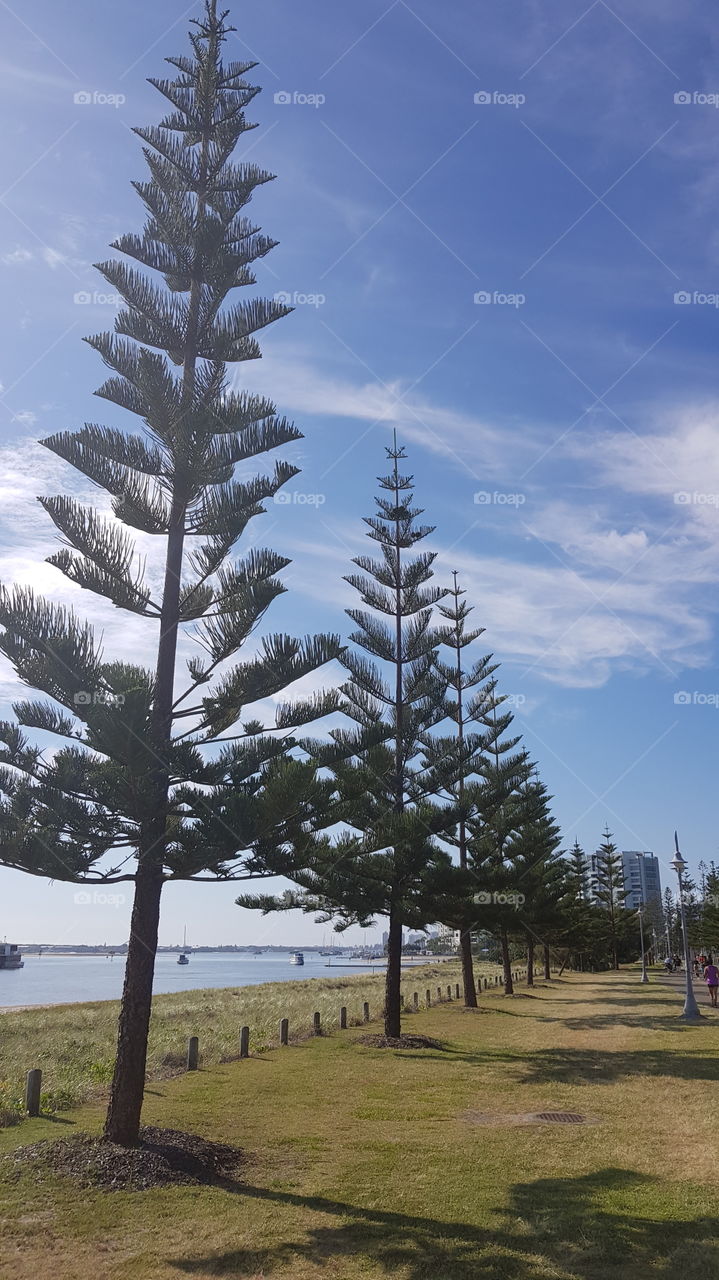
<point>134,780</point>
<point>496,815</point>
<point>610,893</point>
<point>537,869</point>
<point>710,908</point>
<point>579,872</point>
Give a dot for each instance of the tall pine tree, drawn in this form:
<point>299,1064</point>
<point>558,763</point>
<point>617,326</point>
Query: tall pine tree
<point>388,861</point>
<point>455,758</point>
<point>610,893</point>
<point>134,779</point>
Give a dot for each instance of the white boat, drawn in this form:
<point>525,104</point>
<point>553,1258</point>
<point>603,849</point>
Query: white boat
<point>183,957</point>
<point>10,957</point>
<point>297,958</point>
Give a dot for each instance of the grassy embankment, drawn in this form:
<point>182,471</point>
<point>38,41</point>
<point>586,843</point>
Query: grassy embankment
<point>74,1045</point>
<point>364,1164</point>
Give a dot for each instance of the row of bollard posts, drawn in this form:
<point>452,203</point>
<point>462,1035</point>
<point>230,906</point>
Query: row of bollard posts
<point>33,1082</point>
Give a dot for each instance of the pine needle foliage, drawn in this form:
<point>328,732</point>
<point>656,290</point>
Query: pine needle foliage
<point>134,779</point>
<point>388,859</point>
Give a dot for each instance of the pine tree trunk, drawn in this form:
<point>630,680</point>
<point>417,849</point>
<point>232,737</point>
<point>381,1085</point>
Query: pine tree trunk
<point>547,965</point>
<point>470,988</point>
<point>393,978</point>
<point>530,960</point>
<point>508,983</point>
<point>122,1124</point>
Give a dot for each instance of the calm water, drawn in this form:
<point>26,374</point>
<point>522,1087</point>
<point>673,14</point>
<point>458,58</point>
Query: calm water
<point>49,979</point>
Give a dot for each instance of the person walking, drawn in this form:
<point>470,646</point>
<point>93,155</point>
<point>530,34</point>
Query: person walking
<point>711,977</point>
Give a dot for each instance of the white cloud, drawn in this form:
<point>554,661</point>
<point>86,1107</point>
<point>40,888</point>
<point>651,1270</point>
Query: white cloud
<point>16,257</point>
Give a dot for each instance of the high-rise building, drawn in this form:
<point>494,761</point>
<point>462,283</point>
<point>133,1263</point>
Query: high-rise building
<point>641,876</point>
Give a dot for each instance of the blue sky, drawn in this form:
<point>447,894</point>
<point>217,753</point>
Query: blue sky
<point>563,429</point>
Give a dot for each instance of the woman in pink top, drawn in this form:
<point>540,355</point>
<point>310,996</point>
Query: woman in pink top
<point>711,977</point>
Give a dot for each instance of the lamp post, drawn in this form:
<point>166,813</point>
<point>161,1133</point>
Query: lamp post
<point>645,975</point>
<point>690,1012</point>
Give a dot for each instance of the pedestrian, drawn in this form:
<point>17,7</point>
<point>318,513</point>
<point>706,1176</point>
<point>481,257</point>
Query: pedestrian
<point>711,977</point>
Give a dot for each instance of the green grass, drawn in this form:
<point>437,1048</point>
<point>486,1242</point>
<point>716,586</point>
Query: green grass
<point>74,1045</point>
<point>363,1164</point>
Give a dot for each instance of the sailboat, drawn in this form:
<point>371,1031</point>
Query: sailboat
<point>183,957</point>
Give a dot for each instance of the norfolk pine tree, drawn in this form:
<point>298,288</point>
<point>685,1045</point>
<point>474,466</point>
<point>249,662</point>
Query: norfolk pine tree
<point>496,813</point>
<point>388,861</point>
<point>133,780</point>
<point>610,893</point>
<point>455,758</point>
<point>537,868</point>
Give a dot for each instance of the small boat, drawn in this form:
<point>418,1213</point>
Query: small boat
<point>183,957</point>
<point>297,958</point>
<point>10,957</point>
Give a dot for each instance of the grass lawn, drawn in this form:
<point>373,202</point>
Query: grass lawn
<point>74,1044</point>
<point>368,1163</point>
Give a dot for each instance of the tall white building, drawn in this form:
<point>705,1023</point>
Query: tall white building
<point>641,876</point>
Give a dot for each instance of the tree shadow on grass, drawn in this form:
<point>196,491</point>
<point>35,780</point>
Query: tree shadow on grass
<point>587,1066</point>
<point>583,1227</point>
<point>651,1021</point>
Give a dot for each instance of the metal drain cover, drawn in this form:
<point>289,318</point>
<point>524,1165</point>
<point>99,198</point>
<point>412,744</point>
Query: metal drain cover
<point>560,1117</point>
<point>501,1119</point>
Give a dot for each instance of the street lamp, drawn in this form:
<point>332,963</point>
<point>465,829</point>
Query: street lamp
<point>645,975</point>
<point>691,1009</point>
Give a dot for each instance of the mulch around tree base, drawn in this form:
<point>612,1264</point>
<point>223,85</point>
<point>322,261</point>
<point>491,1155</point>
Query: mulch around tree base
<point>163,1157</point>
<point>400,1042</point>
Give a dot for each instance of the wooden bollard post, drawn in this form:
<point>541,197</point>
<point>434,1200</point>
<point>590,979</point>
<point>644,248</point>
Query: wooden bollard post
<point>365,1011</point>
<point>343,1018</point>
<point>415,1001</point>
<point>193,1053</point>
<point>428,997</point>
<point>284,1031</point>
<point>32,1091</point>
<point>456,990</point>
<point>317,1025</point>
<point>245,1042</point>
